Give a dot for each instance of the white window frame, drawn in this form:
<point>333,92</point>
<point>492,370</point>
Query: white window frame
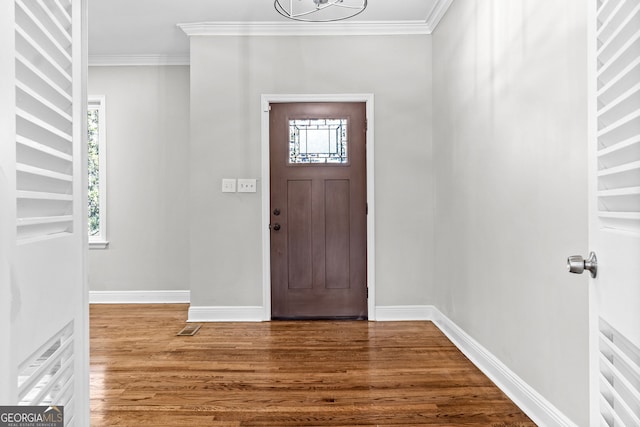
<point>98,102</point>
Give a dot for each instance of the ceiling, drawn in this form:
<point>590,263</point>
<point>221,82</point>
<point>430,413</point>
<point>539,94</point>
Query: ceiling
<point>139,31</point>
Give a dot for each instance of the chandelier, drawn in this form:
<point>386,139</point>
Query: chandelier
<point>319,10</point>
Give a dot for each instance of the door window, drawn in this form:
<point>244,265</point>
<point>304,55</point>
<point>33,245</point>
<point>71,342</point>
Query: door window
<point>318,141</point>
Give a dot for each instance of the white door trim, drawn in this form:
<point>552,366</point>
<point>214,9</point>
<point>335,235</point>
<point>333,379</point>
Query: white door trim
<point>266,235</point>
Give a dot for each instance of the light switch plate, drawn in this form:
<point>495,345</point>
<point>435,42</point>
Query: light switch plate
<point>228,185</point>
<point>246,185</point>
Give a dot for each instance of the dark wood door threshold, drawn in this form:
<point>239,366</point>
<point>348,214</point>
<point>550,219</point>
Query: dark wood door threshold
<point>336,318</point>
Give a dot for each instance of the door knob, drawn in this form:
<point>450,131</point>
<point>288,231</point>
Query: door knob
<point>276,226</point>
<point>576,264</point>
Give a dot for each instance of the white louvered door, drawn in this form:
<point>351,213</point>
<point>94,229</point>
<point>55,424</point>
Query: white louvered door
<point>615,212</point>
<point>43,206</point>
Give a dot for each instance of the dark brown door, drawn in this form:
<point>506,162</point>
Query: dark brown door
<point>318,210</point>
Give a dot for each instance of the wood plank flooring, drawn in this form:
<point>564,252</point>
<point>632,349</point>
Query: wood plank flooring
<point>318,373</point>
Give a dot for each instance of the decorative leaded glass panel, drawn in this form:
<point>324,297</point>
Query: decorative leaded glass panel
<point>318,141</point>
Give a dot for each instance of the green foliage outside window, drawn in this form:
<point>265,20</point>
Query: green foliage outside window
<point>94,176</point>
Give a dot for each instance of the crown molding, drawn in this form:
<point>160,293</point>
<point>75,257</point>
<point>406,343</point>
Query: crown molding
<point>352,28</point>
<point>437,13</point>
<point>137,60</point>
<point>282,28</point>
<point>340,28</point>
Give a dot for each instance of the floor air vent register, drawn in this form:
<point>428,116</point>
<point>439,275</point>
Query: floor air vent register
<point>189,330</point>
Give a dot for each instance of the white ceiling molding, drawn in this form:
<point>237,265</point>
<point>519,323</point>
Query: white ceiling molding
<point>353,28</point>
<point>343,28</point>
<point>137,60</point>
<point>437,13</point>
<point>172,49</point>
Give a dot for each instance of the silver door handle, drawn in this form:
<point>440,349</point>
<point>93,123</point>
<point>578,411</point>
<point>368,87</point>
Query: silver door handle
<point>576,264</point>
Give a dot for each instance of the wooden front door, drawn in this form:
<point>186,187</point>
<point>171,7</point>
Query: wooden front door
<point>318,210</point>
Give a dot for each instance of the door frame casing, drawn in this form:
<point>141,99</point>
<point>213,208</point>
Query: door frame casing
<point>267,99</point>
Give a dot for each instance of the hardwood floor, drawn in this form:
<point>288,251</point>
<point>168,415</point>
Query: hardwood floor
<point>275,374</point>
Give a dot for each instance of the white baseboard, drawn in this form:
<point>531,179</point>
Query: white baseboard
<point>226,314</point>
<point>540,410</point>
<point>139,297</point>
<point>395,313</point>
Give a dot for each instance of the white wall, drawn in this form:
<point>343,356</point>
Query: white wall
<point>510,155</point>
<point>228,76</point>
<point>147,112</point>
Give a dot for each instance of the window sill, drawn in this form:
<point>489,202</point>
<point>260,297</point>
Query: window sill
<point>99,244</point>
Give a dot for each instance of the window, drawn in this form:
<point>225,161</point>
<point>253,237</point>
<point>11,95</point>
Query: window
<point>318,141</point>
<point>97,168</point>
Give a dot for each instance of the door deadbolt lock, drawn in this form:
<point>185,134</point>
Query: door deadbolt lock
<point>576,264</point>
<point>276,211</point>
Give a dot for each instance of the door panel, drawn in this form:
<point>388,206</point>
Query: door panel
<point>337,234</point>
<point>43,134</point>
<point>615,212</point>
<point>318,210</point>
<point>299,235</point>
